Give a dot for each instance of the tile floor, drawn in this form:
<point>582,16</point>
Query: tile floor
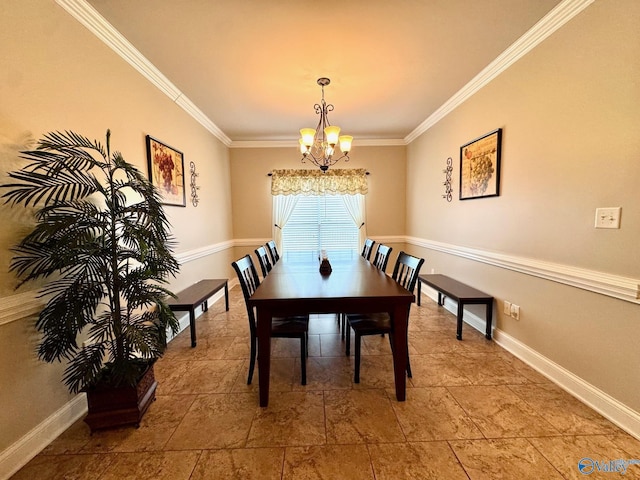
<point>473,411</point>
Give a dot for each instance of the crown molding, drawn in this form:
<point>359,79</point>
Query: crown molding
<point>551,22</point>
<point>96,24</point>
<point>392,142</point>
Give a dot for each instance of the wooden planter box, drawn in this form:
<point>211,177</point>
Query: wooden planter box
<point>112,407</point>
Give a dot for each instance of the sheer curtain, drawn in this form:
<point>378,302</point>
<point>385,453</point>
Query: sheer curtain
<point>356,208</point>
<point>283,206</point>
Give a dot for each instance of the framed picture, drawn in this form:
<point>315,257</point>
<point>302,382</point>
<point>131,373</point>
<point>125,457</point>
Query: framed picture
<point>166,171</point>
<point>480,166</point>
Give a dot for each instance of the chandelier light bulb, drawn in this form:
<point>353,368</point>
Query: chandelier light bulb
<point>332,133</point>
<point>345,143</point>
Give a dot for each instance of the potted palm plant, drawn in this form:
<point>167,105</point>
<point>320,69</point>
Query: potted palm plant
<point>102,248</point>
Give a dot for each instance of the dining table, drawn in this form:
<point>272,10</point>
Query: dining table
<point>295,286</point>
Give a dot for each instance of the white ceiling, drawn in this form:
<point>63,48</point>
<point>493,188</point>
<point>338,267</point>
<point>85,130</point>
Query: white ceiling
<point>251,65</point>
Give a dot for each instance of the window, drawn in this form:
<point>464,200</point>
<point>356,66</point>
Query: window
<point>320,222</point>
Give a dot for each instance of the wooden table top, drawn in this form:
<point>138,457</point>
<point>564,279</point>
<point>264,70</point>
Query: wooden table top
<point>353,283</point>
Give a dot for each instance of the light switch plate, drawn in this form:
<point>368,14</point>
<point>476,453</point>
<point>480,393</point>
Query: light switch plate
<point>608,217</point>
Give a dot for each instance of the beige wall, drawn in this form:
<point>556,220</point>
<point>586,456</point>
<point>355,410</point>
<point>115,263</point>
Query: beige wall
<point>251,187</point>
<point>569,113</point>
<point>56,75</point>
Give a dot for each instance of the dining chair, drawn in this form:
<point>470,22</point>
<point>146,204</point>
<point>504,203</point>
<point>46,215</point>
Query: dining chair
<point>273,250</point>
<point>281,327</point>
<point>405,272</point>
<point>368,247</point>
<point>263,258</point>
<point>380,261</point>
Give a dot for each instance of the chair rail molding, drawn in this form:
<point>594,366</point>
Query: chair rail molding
<point>616,286</point>
<point>19,306</point>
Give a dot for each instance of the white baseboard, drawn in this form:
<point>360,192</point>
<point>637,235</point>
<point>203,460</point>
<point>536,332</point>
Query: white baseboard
<point>21,452</point>
<point>607,406</point>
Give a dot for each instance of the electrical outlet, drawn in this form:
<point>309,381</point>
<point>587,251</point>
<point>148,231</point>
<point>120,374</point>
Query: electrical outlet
<point>507,308</point>
<point>515,311</point>
<point>608,217</point>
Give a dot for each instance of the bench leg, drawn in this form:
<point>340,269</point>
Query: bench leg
<point>460,312</point>
<point>192,327</point>
<point>226,296</point>
<point>489,320</point>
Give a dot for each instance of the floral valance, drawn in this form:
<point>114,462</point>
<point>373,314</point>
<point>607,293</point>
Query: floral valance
<point>315,182</point>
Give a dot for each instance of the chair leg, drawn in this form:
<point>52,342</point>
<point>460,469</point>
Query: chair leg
<point>303,358</point>
<point>348,340</point>
<point>252,361</point>
<point>356,375</point>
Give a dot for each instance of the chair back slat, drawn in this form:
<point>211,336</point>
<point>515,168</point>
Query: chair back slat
<point>263,258</point>
<point>368,247</point>
<point>381,258</point>
<point>273,250</point>
<point>406,270</point>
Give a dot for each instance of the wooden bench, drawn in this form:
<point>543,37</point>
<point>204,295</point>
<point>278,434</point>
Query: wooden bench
<point>463,294</point>
<point>197,294</point>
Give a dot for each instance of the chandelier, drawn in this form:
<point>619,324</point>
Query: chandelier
<point>319,146</point>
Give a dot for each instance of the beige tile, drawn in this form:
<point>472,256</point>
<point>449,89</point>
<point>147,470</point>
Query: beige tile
<point>564,412</point>
<point>488,369</point>
<point>332,345</point>
<point>433,414</point>
<point>207,376</point>
<point>513,458</point>
<point>568,454</point>
<point>240,464</point>
<point>415,461</point>
<point>376,371</point>
<point>498,412</point>
<point>437,370</point>
<point>323,324</point>
<point>360,416</point>
<point>290,347</point>
<point>629,444</point>
<point>157,426</point>
<point>280,379</point>
<point>215,421</point>
<point>71,440</point>
<point>325,373</point>
<point>56,467</point>
<point>151,466</point>
<point>433,342</point>
<point>291,419</point>
<point>327,462</point>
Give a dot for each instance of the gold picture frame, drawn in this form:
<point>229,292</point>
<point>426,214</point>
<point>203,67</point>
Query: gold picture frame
<point>480,166</point>
<point>166,171</point>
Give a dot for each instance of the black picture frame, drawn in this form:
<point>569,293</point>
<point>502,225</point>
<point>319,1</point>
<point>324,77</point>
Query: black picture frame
<point>166,171</point>
<point>480,166</point>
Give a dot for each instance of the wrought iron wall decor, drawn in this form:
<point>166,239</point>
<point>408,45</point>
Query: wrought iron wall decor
<point>448,191</point>
<point>194,187</point>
